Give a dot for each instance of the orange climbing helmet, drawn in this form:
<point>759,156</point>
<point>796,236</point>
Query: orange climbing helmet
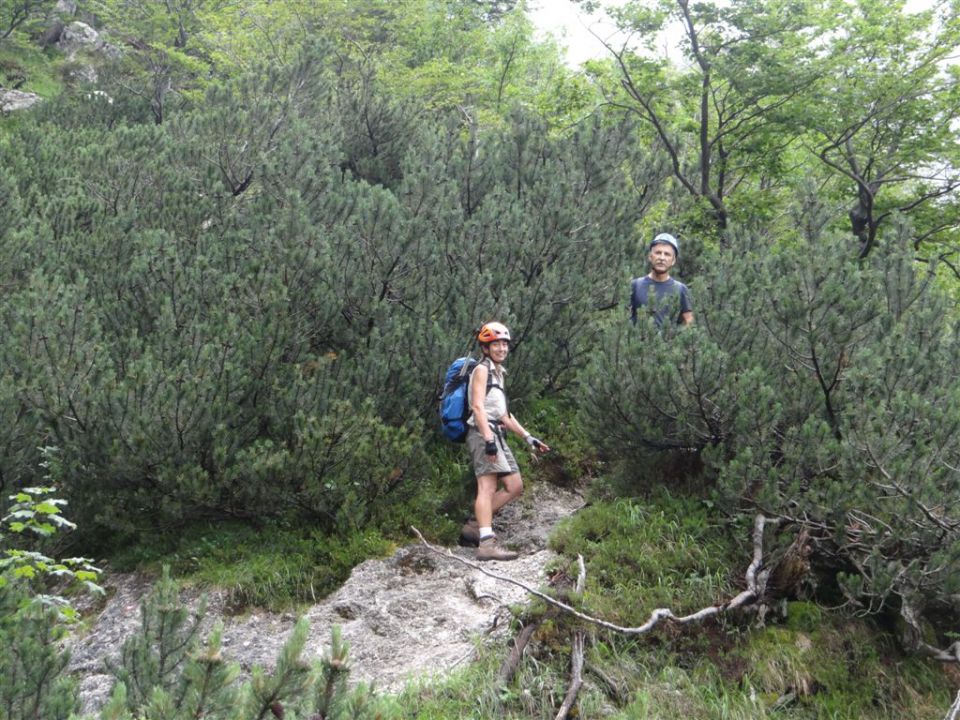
<point>493,331</point>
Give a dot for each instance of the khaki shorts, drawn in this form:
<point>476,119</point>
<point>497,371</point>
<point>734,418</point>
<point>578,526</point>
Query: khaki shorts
<point>505,464</point>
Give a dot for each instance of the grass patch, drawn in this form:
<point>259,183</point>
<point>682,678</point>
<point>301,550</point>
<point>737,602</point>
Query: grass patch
<point>839,668</point>
<point>644,556</point>
<point>276,567</point>
<point>816,665</point>
<point>281,564</point>
<point>473,692</point>
<point>33,69</point>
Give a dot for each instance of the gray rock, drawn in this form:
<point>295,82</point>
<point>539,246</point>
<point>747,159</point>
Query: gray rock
<point>12,100</point>
<point>78,36</point>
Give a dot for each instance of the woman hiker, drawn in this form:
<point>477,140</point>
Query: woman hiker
<point>493,463</point>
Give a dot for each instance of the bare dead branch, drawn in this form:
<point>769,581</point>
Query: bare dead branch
<point>954,712</point>
<point>951,654</point>
<point>510,665</point>
<point>914,639</point>
<point>756,578</point>
<point>576,677</point>
<point>576,653</point>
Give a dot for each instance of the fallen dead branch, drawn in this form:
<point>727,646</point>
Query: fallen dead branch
<point>576,654</point>
<point>510,665</point>
<point>950,654</point>
<point>912,639</point>
<point>954,712</point>
<point>576,676</point>
<point>756,579</point>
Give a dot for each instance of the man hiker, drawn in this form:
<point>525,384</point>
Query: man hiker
<point>669,294</point>
<point>493,463</point>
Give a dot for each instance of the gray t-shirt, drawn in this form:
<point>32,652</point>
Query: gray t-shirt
<point>669,295</point>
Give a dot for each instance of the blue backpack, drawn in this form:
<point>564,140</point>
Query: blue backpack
<point>454,403</point>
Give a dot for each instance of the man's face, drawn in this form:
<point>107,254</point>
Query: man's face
<point>662,258</point>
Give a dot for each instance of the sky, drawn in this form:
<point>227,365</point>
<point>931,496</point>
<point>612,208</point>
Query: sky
<point>569,24</point>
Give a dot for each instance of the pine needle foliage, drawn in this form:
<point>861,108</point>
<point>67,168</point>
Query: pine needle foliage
<point>156,656</point>
<point>246,310</point>
<point>33,678</point>
<point>169,671</point>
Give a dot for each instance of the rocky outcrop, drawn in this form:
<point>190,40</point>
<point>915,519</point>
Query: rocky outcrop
<point>414,614</point>
<point>12,100</point>
<point>79,36</point>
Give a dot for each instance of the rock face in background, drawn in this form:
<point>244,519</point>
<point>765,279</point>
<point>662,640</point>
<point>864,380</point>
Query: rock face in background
<point>414,614</point>
<point>12,100</point>
<point>77,40</point>
<point>79,36</point>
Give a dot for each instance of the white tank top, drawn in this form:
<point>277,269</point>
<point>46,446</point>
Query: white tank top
<point>495,403</point>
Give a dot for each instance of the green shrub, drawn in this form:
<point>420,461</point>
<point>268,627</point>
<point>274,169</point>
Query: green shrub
<point>168,670</point>
<point>239,322</point>
<point>34,682</point>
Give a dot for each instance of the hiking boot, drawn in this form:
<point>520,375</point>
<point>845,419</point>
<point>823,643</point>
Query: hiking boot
<point>470,533</point>
<point>489,549</point>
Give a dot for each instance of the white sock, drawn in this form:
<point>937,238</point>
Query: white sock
<point>486,532</point>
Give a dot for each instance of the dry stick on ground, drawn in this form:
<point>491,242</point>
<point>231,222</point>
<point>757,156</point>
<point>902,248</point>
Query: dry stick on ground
<point>510,665</point>
<point>576,676</point>
<point>576,654</point>
<point>756,578</point>
<point>954,712</point>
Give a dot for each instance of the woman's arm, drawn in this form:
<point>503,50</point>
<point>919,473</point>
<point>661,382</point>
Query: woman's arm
<point>512,424</point>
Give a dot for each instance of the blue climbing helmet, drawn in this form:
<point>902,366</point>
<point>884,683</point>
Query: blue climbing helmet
<point>669,240</point>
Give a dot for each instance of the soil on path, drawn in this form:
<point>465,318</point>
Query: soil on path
<point>415,614</point>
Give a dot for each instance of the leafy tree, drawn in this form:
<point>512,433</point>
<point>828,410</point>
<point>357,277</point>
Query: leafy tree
<point>33,678</point>
<point>15,14</point>
<point>724,122</point>
<point>881,117</point>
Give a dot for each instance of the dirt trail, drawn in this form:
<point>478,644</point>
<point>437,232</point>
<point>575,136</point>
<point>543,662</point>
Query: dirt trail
<point>413,614</point>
